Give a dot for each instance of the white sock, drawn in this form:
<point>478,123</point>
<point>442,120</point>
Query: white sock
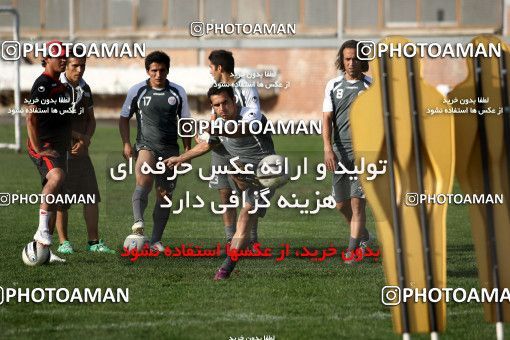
<point>44,217</point>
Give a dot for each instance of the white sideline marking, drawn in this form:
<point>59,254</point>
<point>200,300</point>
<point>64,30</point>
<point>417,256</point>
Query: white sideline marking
<point>191,319</point>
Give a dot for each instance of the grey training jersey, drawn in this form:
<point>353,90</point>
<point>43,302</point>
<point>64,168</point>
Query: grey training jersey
<point>246,96</point>
<point>338,97</point>
<point>252,148</point>
<point>157,114</point>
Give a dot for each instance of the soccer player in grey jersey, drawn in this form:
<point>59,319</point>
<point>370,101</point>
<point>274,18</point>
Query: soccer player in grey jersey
<point>339,95</point>
<point>250,149</point>
<point>221,68</point>
<point>158,105</point>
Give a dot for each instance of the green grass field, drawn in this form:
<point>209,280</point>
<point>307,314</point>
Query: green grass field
<point>177,298</point>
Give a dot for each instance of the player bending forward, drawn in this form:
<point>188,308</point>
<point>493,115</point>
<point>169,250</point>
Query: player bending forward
<point>250,149</point>
<point>221,68</point>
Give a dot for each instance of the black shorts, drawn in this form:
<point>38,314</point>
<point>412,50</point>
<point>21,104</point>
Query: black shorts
<point>44,163</point>
<point>161,180</point>
<point>81,178</point>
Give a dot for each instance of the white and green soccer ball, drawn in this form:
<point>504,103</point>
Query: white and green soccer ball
<point>35,254</point>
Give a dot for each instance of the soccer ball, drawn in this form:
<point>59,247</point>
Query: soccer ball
<point>272,173</point>
<point>35,254</point>
<point>135,241</point>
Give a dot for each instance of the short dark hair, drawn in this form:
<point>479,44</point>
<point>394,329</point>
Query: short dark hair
<point>339,63</point>
<point>217,89</point>
<point>223,58</point>
<point>159,57</point>
<point>77,52</point>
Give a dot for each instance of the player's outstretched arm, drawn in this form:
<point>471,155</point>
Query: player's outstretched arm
<point>330,159</point>
<point>124,135</point>
<point>243,126</point>
<point>198,150</point>
<point>186,142</point>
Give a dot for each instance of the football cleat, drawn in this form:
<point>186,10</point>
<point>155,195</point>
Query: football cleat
<point>100,247</point>
<point>158,246</point>
<point>56,259</point>
<point>221,274</point>
<point>349,257</point>
<point>66,248</point>
<point>353,256</point>
<point>364,244</point>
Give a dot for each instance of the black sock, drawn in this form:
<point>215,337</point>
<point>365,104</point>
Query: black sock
<point>365,237</point>
<point>353,243</point>
<point>139,202</point>
<point>230,230</point>
<point>91,243</point>
<point>253,233</point>
<point>160,217</point>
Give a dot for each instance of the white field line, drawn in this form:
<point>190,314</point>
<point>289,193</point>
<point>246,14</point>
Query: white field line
<point>180,319</point>
<point>190,318</point>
